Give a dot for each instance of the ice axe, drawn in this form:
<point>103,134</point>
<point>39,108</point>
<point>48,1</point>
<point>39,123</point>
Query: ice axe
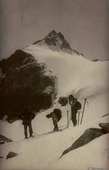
<point>67,119</point>
<point>78,116</point>
<point>83,110</point>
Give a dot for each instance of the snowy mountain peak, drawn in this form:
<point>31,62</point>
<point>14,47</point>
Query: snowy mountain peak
<point>55,39</point>
<point>52,34</point>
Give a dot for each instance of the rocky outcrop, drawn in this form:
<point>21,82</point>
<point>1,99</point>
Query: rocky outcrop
<point>11,154</point>
<point>104,126</point>
<point>63,101</point>
<point>54,39</point>
<point>96,60</point>
<point>88,136</point>
<point>22,84</point>
<point>3,139</point>
<point>106,115</point>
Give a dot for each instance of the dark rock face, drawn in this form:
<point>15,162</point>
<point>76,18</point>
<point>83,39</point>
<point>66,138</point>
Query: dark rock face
<point>106,115</point>
<point>22,84</point>
<point>54,38</point>
<point>3,139</point>
<point>95,60</point>
<point>57,39</point>
<point>11,154</point>
<point>88,136</point>
<point>63,101</point>
<point>104,126</point>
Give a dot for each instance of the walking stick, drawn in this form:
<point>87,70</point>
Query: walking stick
<point>83,109</point>
<point>67,119</point>
<point>78,116</point>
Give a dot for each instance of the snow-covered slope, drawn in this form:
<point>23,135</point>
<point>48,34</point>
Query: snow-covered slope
<point>43,152</point>
<point>83,79</point>
<point>56,42</point>
<point>75,73</point>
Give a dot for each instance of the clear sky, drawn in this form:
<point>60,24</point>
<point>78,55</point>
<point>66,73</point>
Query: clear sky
<point>84,24</point>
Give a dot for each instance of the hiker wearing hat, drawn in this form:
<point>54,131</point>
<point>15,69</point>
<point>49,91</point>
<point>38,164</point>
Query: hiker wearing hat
<point>26,118</point>
<point>56,116</point>
<point>75,106</point>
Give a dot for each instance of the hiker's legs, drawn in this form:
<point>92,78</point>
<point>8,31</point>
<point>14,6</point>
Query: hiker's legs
<point>25,130</point>
<point>74,117</point>
<point>30,129</point>
<point>74,122</point>
<point>55,124</point>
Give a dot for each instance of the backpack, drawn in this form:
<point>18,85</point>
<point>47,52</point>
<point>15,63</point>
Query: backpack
<point>78,106</point>
<point>58,113</point>
<point>27,117</point>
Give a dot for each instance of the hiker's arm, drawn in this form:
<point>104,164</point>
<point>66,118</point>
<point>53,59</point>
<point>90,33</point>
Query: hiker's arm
<point>49,115</point>
<point>74,102</point>
<point>33,115</point>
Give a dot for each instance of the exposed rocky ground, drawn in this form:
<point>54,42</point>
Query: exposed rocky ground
<point>89,135</point>
<point>4,140</point>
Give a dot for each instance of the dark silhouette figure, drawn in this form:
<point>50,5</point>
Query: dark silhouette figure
<point>56,116</point>
<point>75,106</point>
<point>27,117</point>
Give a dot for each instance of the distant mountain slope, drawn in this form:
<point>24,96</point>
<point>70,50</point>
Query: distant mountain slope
<point>56,41</point>
<point>75,74</point>
<point>96,60</point>
<point>34,76</point>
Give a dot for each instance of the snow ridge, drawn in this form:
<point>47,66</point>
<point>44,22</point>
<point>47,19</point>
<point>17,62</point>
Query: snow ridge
<point>56,42</point>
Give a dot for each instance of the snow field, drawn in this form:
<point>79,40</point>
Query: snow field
<point>43,152</point>
<point>83,79</point>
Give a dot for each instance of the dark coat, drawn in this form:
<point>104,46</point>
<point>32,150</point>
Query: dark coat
<point>27,117</point>
<point>56,115</point>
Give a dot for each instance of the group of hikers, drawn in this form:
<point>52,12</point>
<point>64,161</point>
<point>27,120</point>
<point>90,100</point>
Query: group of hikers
<point>28,116</point>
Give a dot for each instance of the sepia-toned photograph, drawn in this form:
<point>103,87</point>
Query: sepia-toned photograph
<point>54,87</point>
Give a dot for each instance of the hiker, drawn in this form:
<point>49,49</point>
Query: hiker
<point>75,106</point>
<point>56,116</point>
<point>27,117</point>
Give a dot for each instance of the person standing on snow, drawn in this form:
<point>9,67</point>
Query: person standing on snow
<point>56,116</point>
<point>27,117</point>
<point>75,106</point>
